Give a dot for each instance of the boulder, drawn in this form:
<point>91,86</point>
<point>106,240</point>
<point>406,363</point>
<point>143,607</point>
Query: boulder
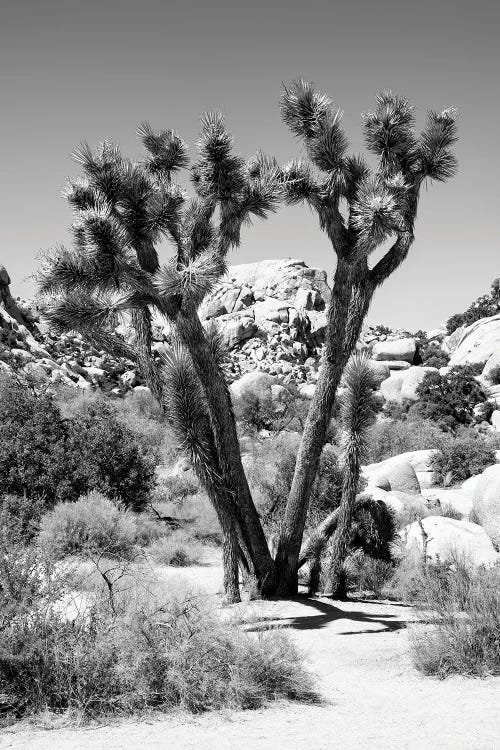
<point>477,342</point>
<point>458,498</point>
<point>395,349</point>
<point>447,539</point>
<point>436,334</point>
<point>486,502</point>
<point>380,371</point>
<point>395,474</point>
<point>402,386</point>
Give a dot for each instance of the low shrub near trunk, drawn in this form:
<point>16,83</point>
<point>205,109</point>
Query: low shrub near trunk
<point>153,650</point>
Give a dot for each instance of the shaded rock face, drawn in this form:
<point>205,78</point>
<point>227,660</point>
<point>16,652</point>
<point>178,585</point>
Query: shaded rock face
<point>8,302</point>
<point>476,343</point>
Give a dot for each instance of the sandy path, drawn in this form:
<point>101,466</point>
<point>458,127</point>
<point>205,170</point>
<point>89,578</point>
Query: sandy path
<point>373,696</point>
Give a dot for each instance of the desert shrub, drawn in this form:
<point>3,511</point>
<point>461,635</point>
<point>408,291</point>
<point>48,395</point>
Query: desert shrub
<point>148,528</point>
<point>93,525</point>
<point>494,375</point>
<point>431,354</point>
<point>48,458</point>
<point>483,307</point>
<point>178,548</point>
<point>464,632</point>
<point>461,456</point>
<point>367,574</point>
<point>175,488</point>
<point>393,437</point>
<point>450,399</point>
<point>160,651</point>
<point>19,518</point>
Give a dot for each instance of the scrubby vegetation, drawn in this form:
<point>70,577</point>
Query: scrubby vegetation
<point>461,456</point>
<point>483,307</point>
<point>51,459</point>
<point>462,607</point>
<point>451,399</point>
<point>156,650</point>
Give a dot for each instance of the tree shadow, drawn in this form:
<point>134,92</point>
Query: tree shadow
<point>327,613</point>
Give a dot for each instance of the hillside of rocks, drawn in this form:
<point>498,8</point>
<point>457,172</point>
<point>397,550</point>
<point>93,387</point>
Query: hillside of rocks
<point>272,315</point>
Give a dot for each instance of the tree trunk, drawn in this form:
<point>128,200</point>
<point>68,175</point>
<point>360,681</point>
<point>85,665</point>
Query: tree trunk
<point>245,515</point>
<point>141,322</point>
<point>348,307</point>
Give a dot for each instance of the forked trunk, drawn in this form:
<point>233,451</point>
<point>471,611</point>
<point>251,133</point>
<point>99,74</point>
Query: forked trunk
<point>245,516</point>
<point>350,300</point>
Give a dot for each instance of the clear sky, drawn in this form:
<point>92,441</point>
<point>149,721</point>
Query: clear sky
<point>87,70</point>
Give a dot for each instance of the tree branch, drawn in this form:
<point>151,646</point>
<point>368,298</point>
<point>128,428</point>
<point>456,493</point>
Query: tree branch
<point>392,259</point>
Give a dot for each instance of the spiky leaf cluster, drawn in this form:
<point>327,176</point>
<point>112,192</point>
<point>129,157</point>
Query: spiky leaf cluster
<point>380,203</point>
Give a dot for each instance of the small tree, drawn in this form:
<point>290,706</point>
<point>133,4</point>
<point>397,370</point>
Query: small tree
<point>125,209</point>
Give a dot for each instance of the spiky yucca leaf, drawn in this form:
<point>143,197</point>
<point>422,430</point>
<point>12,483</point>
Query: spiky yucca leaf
<point>440,133</point>
<point>356,172</point>
<point>356,405</point>
<point>188,414</point>
<point>191,280</point>
<point>168,151</point>
<point>103,167</point>
<point>298,183</point>
<point>389,130</point>
<point>327,146</point>
<point>77,311</point>
<point>218,174</point>
<point>198,232</point>
<point>375,213</point>
<point>303,109</point>
<point>218,347</point>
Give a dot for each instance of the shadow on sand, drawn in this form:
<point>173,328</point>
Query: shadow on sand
<point>327,612</point>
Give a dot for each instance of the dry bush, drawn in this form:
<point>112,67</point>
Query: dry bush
<point>461,456</point>
<point>393,437</point>
<point>178,548</point>
<point>155,650</point>
<point>368,575</point>
<point>463,636</point>
<point>92,525</point>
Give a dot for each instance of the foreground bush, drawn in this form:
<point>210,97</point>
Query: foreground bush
<point>460,457</point>
<point>159,652</point>
<point>48,458</point>
<point>464,634</point>
<point>93,525</point>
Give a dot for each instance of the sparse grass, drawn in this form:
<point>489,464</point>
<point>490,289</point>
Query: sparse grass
<point>463,636</point>
<point>393,437</point>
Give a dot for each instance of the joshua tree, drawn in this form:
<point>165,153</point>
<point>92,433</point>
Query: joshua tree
<point>124,210</point>
<point>359,209</point>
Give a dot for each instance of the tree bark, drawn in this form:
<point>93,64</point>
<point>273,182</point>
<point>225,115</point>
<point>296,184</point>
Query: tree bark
<point>350,300</point>
<point>245,516</point>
